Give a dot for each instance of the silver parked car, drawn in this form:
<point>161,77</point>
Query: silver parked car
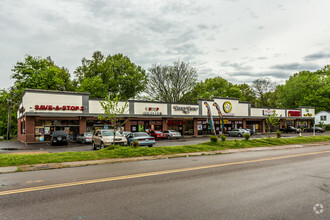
<point>172,134</point>
<point>85,137</point>
<point>237,132</point>
<point>142,138</point>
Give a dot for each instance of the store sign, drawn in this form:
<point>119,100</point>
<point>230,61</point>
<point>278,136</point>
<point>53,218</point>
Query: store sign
<point>308,115</point>
<point>228,114</point>
<point>294,113</point>
<point>269,112</point>
<point>227,107</point>
<point>57,108</point>
<point>185,109</point>
<point>152,111</point>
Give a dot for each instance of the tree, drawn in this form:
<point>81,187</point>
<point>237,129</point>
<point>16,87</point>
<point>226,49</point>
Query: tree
<point>248,95</point>
<point>94,85</point>
<point>41,73</point>
<point>213,87</point>
<point>119,76</point>
<point>307,89</point>
<point>262,89</point>
<point>273,121</point>
<point>171,83</point>
<point>9,100</point>
<point>113,112</point>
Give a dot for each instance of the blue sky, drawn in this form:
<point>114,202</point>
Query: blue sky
<point>239,40</point>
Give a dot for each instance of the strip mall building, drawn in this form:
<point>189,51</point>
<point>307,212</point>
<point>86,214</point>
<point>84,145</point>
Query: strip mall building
<point>43,111</point>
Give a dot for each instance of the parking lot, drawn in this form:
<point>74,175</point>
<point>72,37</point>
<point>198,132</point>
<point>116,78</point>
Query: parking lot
<point>18,147</point>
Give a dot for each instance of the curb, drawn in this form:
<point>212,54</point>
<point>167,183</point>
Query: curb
<point>36,167</point>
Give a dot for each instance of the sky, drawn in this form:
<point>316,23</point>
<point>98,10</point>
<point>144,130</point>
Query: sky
<point>239,40</point>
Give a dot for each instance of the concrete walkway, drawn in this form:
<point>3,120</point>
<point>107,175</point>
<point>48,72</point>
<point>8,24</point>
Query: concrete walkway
<point>108,161</point>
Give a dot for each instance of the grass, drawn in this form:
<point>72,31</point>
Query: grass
<point>124,152</point>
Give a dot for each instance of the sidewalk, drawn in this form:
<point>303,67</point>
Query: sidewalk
<point>133,159</point>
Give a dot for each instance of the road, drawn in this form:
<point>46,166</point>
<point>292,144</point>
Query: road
<point>274,184</point>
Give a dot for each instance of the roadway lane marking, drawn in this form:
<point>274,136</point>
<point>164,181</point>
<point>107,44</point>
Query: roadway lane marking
<point>156,173</point>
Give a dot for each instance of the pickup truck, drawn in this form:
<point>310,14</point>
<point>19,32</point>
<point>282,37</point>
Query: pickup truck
<point>290,129</point>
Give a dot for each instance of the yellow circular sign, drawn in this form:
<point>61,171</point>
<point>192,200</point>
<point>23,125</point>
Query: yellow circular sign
<point>227,107</point>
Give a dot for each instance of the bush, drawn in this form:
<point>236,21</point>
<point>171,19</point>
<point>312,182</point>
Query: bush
<point>223,137</point>
<point>135,143</point>
<point>247,136</point>
<point>278,134</point>
<point>214,138</point>
<point>327,127</point>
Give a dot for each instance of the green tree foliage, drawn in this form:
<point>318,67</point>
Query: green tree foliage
<point>273,122</point>
<point>41,73</point>
<point>4,105</point>
<point>307,89</point>
<point>248,95</point>
<point>118,75</point>
<point>171,83</point>
<point>94,85</point>
<point>113,112</point>
<point>213,87</point>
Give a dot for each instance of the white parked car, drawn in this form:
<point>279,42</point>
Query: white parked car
<point>103,138</point>
<point>172,134</point>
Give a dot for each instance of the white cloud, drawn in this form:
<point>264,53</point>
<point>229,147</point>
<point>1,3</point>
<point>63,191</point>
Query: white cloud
<point>238,40</point>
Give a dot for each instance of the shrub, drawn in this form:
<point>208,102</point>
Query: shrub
<point>223,137</point>
<point>135,143</point>
<point>247,136</point>
<point>278,134</point>
<point>327,127</point>
<point>214,138</point>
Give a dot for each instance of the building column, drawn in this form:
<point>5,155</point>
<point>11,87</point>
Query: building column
<point>164,124</point>
<point>29,129</point>
<point>308,124</point>
<point>195,127</point>
<point>82,125</point>
<point>295,123</point>
<point>281,123</point>
<point>263,126</point>
<point>244,123</point>
<point>128,125</point>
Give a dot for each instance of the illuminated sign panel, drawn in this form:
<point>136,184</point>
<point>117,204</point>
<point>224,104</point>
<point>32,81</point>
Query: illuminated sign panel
<point>294,113</point>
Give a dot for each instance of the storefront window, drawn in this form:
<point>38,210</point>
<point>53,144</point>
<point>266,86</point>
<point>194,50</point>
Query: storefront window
<point>185,127</point>
<point>45,128</point>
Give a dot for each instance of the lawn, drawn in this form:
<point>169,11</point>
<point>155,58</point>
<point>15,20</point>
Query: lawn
<point>124,152</point>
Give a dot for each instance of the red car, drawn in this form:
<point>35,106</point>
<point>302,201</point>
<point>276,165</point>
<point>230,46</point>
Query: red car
<point>157,134</point>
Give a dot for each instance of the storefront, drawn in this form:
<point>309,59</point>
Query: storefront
<point>41,112</point>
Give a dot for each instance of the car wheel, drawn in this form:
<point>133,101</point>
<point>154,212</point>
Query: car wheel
<point>53,143</point>
<point>102,145</point>
<point>239,135</point>
<point>169,137</point>
<point>149,145</point>
<point>94,146</point>
<point>82,142</point>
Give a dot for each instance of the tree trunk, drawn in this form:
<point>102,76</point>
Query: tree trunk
<point>9,113</point>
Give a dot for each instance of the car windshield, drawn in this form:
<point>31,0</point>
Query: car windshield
<point>158,132</point>
<point>172,130</point>
<point>110,133</point>
<point>140,134</point>
<point>89,134</point>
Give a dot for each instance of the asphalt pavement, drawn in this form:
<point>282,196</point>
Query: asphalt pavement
<point>19,147</point>
<point>276,184</point>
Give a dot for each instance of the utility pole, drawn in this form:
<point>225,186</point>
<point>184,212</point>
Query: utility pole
<point>9,112</point>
